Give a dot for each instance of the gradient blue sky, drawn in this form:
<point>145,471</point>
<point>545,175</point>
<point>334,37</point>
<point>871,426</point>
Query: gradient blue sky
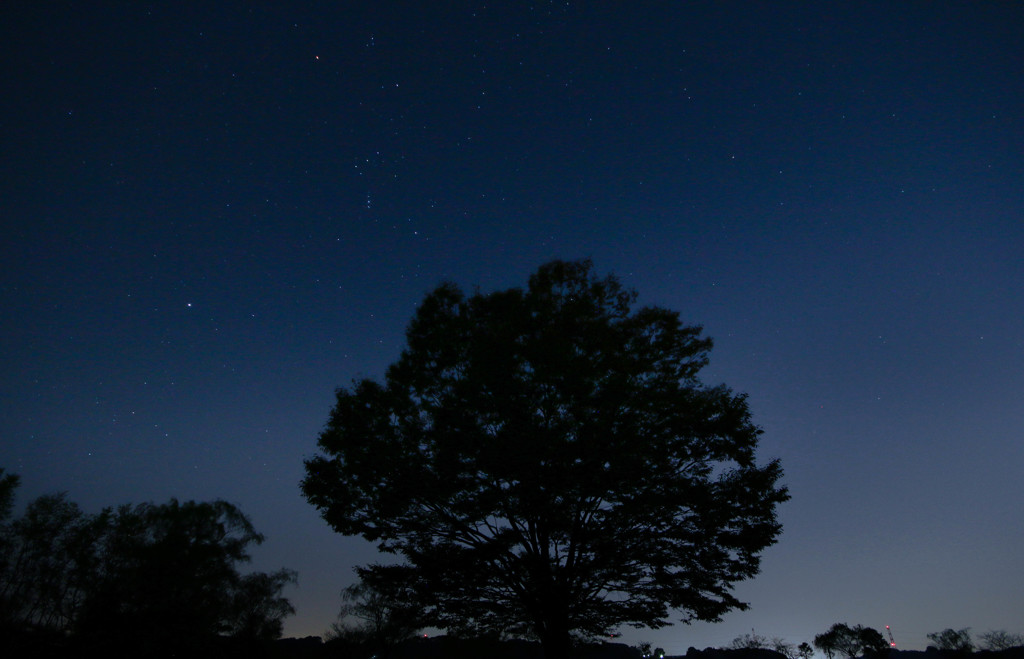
<point>216,213</point>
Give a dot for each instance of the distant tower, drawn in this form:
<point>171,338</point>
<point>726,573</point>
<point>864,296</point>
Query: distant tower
<point>892,643</point>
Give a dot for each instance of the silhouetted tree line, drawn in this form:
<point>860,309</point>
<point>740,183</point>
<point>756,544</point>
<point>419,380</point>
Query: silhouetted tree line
<point>142,580</point>
<point>454,647</point>
<point>933,652</point>
<point>842,641</point>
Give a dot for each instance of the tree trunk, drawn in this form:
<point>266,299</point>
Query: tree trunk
<point>556,642</point>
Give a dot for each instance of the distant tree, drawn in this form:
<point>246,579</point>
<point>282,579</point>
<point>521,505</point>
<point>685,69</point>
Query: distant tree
<point>169,579</point>
<point>782,647</point>
<point>52,552</point>
<point>751,641</point>
<point>163,577</point>
<point>754,641</point>
<point>828,642</point>
<point>804,651</point>
<point>1000,639</point>
<point>258,609</point>
<point>379,611</point>
<point>8,484</point>
<point>649,652</point>
<point>547,463</point>
<point>849,641</point>
<point>953,640</point>
<point>872,642</point>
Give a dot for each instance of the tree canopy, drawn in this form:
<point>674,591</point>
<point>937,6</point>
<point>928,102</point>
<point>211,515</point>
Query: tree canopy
<point>953,640</point>
<point>8,484</point>
<point>170,574</point>
<point>547,462</point>
<point>850,641</point>
<point>158,578</point>
<point>378,612</point>
<point>1000,639</point>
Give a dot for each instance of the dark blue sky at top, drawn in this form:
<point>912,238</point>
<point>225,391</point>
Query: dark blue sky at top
<point>216,213</point>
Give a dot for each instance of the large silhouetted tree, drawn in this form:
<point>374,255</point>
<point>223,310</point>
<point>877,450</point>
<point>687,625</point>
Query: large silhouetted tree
<point>547,462</point>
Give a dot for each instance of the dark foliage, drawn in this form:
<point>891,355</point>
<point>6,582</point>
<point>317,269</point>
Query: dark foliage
<point>953,640</point>
<point>548,464</point>
<point>934,653</point>
<point>851,642</point>
<point>734,653</point>
<point>1000,639</point>
<point>8,484</point>
<point>151,580</point>
<point>50,560</point>
<point>448,647</point>
<point>378,612</point>
<point>170,579</point>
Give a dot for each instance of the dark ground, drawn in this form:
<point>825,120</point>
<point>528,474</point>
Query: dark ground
<point>440,647</point>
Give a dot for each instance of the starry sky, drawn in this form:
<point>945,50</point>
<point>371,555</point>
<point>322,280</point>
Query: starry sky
<point>216,213</point>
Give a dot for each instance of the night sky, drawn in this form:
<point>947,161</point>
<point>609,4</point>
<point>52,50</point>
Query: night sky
<point>216,213</point>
